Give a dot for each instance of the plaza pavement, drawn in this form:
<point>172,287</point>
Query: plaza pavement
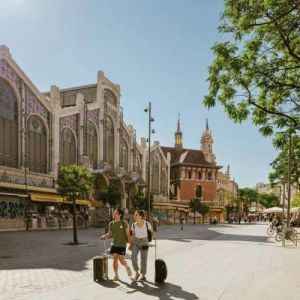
<point>204,262</point>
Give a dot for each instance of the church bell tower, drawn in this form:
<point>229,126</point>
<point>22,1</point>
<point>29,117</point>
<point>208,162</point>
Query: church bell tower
<point>206,145</point>
<point>178,136</point>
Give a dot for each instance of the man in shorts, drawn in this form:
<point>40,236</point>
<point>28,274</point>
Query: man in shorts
<point>118,230</point>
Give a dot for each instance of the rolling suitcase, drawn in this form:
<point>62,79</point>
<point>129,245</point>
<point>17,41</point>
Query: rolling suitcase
<point>100,266</point>
<point>161,270</point>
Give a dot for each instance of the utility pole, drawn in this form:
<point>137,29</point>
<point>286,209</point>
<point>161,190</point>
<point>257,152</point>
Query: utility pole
<point>150,120</point>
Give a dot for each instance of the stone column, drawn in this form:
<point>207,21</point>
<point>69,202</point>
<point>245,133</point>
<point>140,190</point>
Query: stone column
<point>100,101</point>
<point>144,157</point>
<point>22,146</point>
<point>80,104</point>
<point>168,173</point>
<point>56,112</point>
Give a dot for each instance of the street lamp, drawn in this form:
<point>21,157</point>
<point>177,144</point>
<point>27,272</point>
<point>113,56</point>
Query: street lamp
<point>150,131</point>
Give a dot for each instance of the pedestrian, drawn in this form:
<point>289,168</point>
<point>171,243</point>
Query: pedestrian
<point>119,231</point>
<point>140,244</point>
<point>181,219</point>
<point>240,218</point>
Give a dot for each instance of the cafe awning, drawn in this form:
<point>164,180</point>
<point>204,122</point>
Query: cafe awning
<point>80,202</point>
<point>46,197</point>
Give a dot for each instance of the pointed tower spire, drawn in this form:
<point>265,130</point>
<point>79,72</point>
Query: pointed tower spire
<point>178,123</point>
<point>178,135</point>
<point>206,144</point>
<point>207,128</point>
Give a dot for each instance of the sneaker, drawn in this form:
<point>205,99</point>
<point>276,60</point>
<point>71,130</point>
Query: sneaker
<point>116,278</point>
<point>143,278</point>
<point>136,277</point>
<point>129,273</point>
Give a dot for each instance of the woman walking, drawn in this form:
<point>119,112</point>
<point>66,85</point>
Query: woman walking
<point>140,244</point>
<point>119,231</point>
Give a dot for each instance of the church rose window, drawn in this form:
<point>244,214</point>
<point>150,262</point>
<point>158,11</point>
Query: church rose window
<point>8,126</point>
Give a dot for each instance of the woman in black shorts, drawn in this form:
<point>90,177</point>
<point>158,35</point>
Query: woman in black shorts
<point>118,230</point>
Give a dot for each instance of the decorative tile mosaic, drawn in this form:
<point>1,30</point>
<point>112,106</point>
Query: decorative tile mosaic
<point>69,121</point>
<point>94,115</point>
<point>8,72</point>
<point>34,106</point>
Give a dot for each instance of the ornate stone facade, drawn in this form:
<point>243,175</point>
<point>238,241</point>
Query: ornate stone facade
<point>85,111</point>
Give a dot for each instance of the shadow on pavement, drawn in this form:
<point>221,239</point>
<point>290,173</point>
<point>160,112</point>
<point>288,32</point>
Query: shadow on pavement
<point>211,232</point>
<point>48,249</point>
<point>166,291</point>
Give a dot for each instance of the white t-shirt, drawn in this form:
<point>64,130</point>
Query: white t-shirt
<point>141,232</point>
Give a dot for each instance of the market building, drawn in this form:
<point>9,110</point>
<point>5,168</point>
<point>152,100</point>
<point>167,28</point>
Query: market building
<point>41,131</point>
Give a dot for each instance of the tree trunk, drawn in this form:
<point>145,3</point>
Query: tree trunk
<point>75,240</point>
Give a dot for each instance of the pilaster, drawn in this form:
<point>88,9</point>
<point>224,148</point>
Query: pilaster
<point>56,111</point>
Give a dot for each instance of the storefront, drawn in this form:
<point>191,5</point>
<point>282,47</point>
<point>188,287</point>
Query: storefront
<point>12,211</point>
<point>53,211</point>
<point>170,212</point>
<point>39,210</point>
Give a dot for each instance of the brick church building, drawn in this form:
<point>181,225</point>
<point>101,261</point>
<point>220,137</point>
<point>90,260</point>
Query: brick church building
<point>192,172</point>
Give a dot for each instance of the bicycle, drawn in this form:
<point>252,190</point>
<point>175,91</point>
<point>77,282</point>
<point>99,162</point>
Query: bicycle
<point>271,229</point>
<point>279,231</point>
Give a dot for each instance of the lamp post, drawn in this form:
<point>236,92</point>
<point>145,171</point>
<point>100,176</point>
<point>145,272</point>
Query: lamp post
<point>150,131</point>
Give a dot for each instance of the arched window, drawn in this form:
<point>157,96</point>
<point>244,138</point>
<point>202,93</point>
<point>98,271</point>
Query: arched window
<point>136,164</point>
<point>123,154</point>
<point>199,175</point>
<point>8,126</point>
<point>36,145</point>
<point>110,97</point>
<point>155,175</point>
<point>67,147</point>
<point>199,191</point>
<point>91,144</point>
<point>109,142</point>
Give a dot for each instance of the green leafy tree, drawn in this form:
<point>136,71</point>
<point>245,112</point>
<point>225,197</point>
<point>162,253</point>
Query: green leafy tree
<point>75,182</point>
<point>268,200</point>
<point>194,206</point>
<point>111,195</point>
<point>197,206</point>
<point>140,201</point>
<point>257,72</point>
<point>296,200</point>
<point>247,196</point>
<point>280,164</point>
<point>203,210</point>
<point>229,209</point>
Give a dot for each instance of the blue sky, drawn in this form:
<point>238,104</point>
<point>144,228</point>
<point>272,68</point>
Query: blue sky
<point>157,51</point>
